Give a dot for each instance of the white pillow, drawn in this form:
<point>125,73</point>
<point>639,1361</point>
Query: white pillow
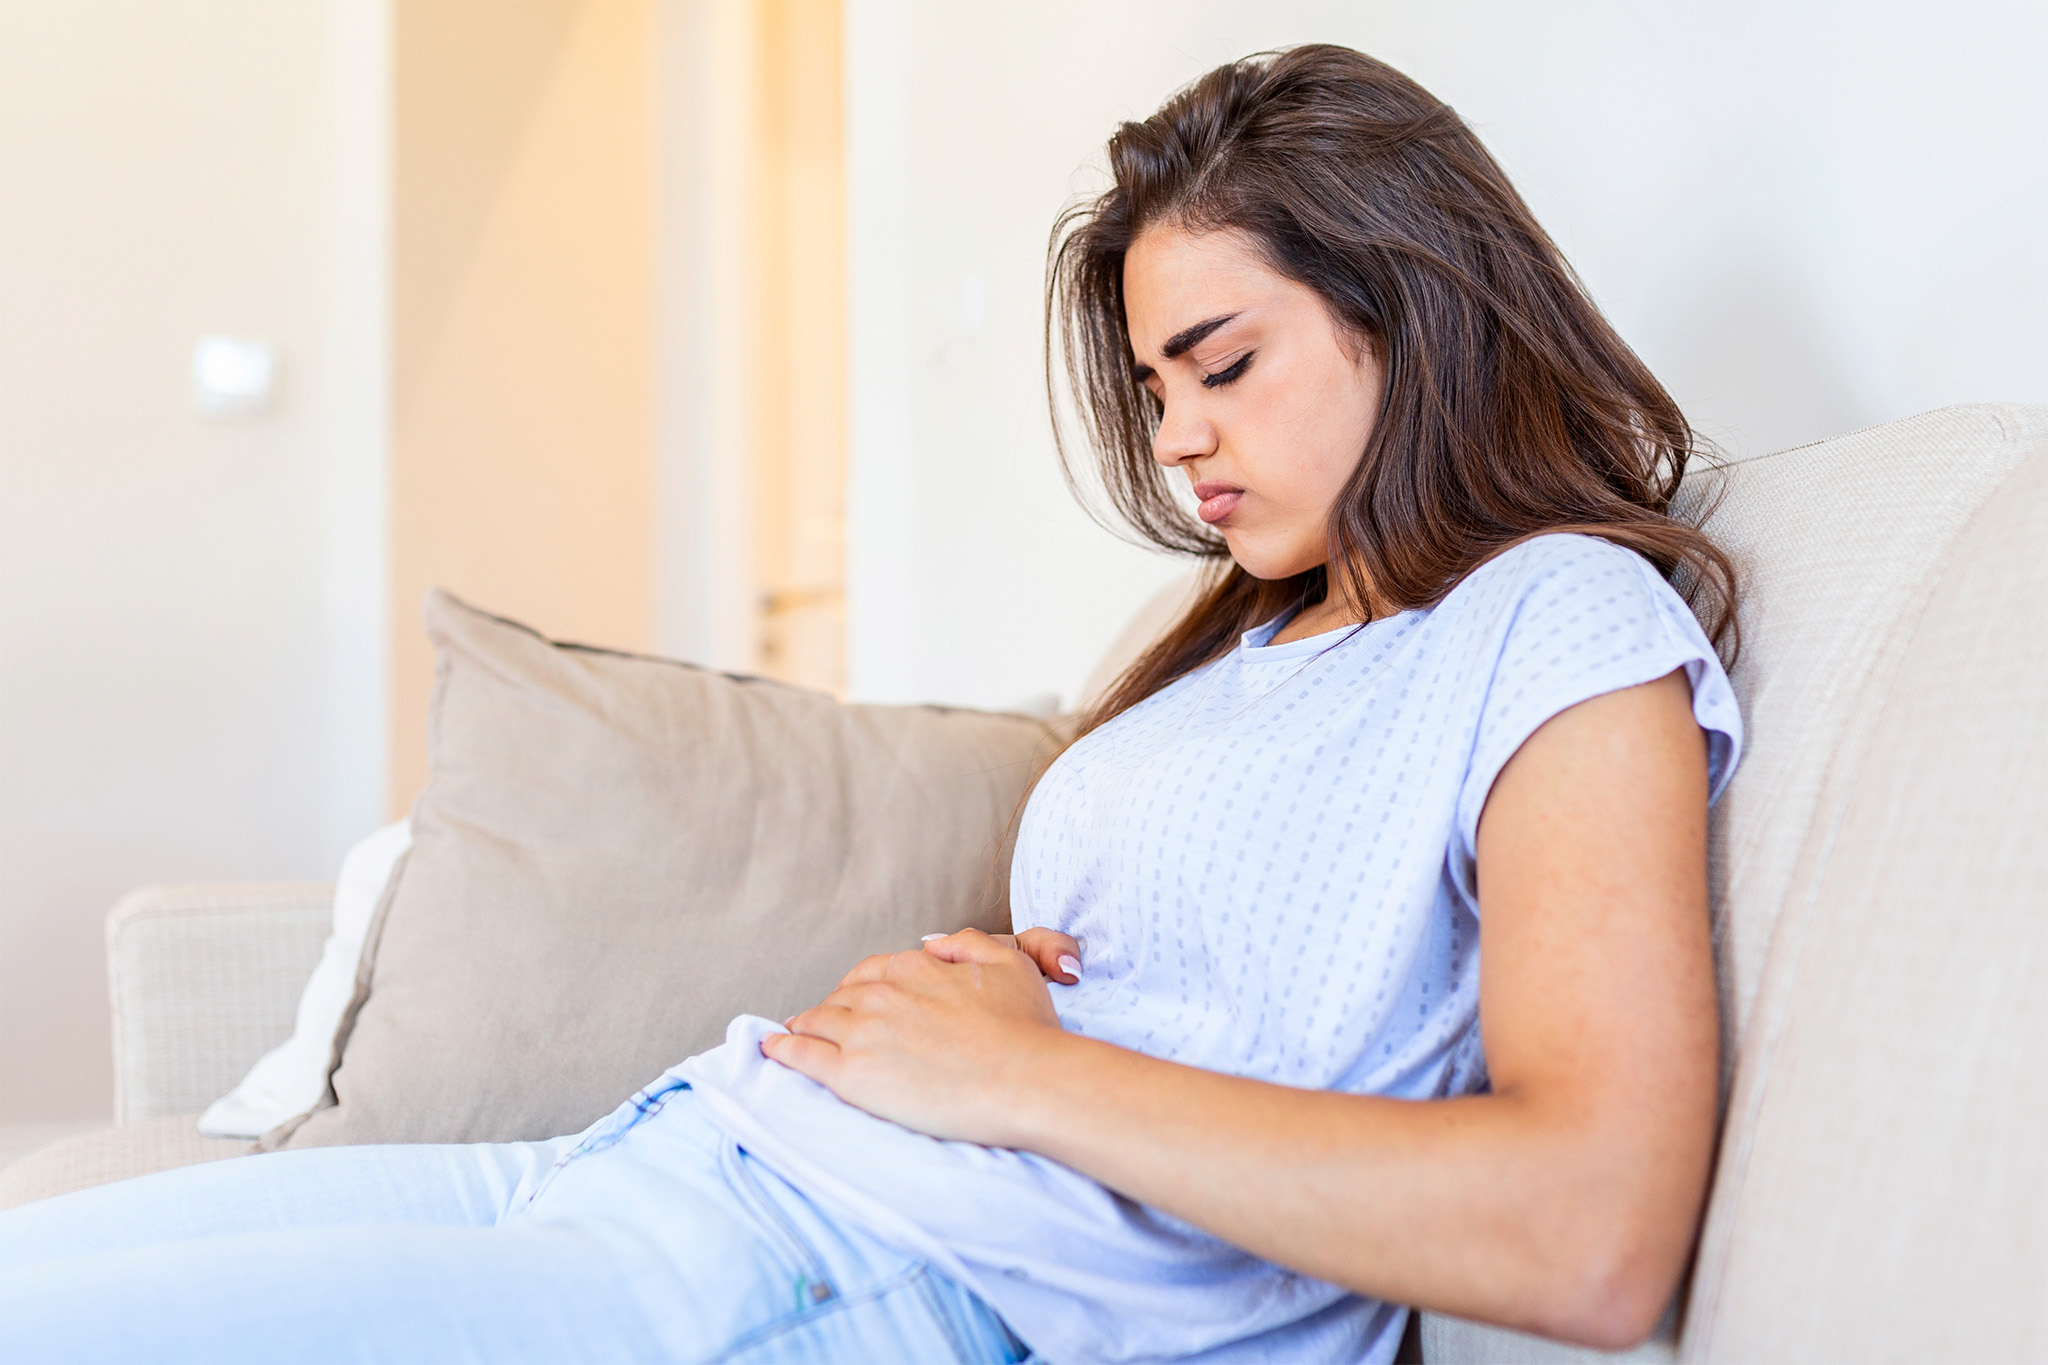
<point>289,1079</point>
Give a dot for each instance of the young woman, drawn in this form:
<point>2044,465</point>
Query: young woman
<point>1363,951</point>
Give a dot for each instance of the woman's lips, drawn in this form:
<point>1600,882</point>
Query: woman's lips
<point>1219,500</point>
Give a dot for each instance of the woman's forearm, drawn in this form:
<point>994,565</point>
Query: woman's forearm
<point>1499,1207</point>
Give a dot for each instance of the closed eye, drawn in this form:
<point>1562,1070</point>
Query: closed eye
<point>1225,376</point>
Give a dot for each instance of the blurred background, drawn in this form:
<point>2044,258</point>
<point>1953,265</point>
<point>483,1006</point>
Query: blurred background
<point>712,327</point>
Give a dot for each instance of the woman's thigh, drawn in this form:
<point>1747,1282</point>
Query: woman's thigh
<point>362,1293</point>
<point>550,1293</point>
<point>648,1237</point>
<point>467,1186</point>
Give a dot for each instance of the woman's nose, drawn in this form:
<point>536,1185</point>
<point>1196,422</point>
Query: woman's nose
<point>1182,436</point>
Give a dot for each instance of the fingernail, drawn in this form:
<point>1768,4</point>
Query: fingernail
<point>929,937</point>
<point>787,1022</point>
<point>1070,964</point>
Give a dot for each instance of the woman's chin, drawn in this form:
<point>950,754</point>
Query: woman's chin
<point>1265,561</point>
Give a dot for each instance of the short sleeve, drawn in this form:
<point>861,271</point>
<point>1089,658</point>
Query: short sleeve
<point>1579,617</point>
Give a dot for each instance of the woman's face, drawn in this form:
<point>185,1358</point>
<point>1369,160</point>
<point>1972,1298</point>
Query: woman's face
<point>1268,403</point>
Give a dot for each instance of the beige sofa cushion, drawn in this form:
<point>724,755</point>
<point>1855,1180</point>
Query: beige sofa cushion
<point>614,855</point>
<point>1883,1186</point>
<point>105,1154</point>
<point>204,979</point>
<point>1841,545</point>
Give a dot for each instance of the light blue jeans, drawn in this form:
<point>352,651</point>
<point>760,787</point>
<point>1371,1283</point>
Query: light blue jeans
<point>648,1237</point>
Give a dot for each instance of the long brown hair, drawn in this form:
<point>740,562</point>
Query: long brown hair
<point>1510,408</point>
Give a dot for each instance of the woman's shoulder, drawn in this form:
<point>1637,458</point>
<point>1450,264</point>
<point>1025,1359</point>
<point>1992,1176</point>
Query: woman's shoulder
<point>1565,577</point>
<point>1562,617</point>
<point>1562,554</point>
<point>1564,611</point>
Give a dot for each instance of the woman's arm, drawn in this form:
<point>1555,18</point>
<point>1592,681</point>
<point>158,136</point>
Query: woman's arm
<point>1564,1202</point>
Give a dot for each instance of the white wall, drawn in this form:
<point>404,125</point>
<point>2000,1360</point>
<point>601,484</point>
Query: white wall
<point>1807,217</point>
<point>192,683</point>
<point>706,608</point>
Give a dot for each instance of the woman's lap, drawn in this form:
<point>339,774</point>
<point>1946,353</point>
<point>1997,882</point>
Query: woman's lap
<point>648,1238</point>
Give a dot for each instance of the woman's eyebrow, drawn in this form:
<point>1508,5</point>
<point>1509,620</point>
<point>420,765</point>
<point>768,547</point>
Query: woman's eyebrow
<point>1181,342</point>
<point>1178,344</point>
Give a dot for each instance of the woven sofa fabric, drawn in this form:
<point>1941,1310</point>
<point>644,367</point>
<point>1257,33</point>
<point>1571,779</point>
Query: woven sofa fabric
<point>614,855</point>
<point>1839,544</point>
<point>107,1154</point>
<point>1454,1341</point>
<point>1883,1191</point>
<point>204,980</point>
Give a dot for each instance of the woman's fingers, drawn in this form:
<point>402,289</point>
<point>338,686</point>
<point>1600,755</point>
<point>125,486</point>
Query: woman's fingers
<point>828,1020</point>
<point>971,945</point>
<point>804,1054</point>
<point>930,942</point>
<point>1057,955</point>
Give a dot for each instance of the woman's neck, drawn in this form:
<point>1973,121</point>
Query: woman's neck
<point>1334,611</point>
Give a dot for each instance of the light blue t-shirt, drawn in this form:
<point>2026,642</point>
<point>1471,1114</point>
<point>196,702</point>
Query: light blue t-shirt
<point>1271,865</point>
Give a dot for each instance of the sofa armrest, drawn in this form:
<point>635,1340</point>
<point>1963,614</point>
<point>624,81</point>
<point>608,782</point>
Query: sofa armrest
<point>204,980</point>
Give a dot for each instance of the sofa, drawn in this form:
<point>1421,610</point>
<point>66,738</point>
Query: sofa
<point>1880,902</point>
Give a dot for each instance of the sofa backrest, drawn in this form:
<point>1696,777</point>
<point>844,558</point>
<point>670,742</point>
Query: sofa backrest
<point>1881,880</point>
<point>1839,544</point>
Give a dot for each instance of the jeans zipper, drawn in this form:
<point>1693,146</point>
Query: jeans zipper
<point>607,1131</point>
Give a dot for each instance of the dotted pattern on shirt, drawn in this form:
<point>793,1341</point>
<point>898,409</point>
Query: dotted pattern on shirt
<point>1270,862</point>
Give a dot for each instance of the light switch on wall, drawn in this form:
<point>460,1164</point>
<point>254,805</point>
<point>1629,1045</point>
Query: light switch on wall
<point>233,377</point>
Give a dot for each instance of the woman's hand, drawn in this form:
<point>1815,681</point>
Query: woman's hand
<point>936,1040</point>
<point>1057,955</point>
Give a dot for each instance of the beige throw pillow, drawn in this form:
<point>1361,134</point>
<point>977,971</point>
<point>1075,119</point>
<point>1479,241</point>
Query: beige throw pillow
<point>614,855</point>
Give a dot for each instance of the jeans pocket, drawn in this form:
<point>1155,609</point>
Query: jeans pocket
<point>914,1315</point>
<point>814,1284</point>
